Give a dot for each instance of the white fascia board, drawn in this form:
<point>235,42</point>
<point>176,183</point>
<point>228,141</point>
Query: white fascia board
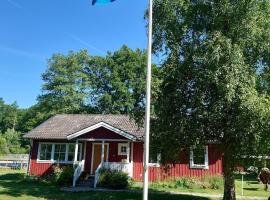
<point>104,125</point>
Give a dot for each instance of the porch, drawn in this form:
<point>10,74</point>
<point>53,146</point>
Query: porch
<point>97,154</point>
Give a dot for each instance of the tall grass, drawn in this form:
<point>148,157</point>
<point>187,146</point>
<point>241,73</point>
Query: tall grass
<point>205,182</point>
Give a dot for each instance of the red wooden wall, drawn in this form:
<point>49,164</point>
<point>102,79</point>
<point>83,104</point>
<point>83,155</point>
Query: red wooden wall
<point>180,169</point>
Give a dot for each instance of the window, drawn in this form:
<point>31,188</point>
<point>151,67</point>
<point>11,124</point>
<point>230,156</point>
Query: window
<point>71,150</point>
<point>59,152</point>
<point>45,151</point>
<point>199,157</point>
<point>154,159</point>
<point>122,148</point>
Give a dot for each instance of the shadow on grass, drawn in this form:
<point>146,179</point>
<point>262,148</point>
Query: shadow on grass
<point>12,185</point>
<point>252,189</point>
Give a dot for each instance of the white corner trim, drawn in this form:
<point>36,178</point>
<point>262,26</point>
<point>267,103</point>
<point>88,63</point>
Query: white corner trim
<point>104,125</point>
<point>196,166</point>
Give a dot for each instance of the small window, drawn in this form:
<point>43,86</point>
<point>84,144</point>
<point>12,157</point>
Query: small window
<point>154,159</point>
<point>45,151</point>
<point>199,157</point>
<point>60,152</point>
<point>122,149</point>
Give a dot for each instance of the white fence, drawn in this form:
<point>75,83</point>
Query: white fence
<point>14,161</point>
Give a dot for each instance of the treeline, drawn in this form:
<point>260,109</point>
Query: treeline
<point>81,83</point>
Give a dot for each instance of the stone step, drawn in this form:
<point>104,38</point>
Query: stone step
<point>86,183</point>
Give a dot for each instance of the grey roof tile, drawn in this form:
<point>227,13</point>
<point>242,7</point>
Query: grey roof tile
<point>62,125</point>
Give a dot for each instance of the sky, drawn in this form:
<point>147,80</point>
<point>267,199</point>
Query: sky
<point>32,30</point>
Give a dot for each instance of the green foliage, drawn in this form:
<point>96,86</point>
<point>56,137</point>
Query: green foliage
<point>62,175</point>
<point>215,78</point>
<point>9,115</point>
<point>113,179</point>
<point>205,182</point>
<point>81,83</point>
<point>10,142</point>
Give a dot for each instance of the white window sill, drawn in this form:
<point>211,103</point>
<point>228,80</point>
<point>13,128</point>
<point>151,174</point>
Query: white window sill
<point>199,167</point>
<point>54,162</point>
<point>153,165</point>
<point>122,154</point>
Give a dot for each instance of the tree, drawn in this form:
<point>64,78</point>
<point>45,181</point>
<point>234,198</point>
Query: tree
<point>213,53</point>
<point>9,115</point>
<point>80,83</point>
<point>64,88</point>
<point>119,82</point>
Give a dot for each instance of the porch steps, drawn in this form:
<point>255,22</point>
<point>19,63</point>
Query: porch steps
<point>86,183</point>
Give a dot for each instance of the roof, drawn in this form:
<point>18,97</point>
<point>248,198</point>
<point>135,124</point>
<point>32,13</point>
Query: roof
<point>63,125</point>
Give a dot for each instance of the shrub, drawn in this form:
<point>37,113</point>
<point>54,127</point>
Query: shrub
<point>113,179</point>
<point>185,182</point>
<point>213,182</point>
<point>62,176</point>
<point>30,178</point>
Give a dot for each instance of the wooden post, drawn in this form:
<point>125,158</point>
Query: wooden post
<point>102,152</point>
<point>128,152</point>
<point>76,152</point>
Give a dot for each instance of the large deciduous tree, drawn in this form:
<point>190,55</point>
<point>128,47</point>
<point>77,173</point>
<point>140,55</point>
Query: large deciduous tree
<point>81,83</point>
<point>215,52</point>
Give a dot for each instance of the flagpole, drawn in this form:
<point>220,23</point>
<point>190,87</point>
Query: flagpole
<point>148,102</point>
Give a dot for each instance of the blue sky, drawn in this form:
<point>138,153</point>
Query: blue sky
<point>32,30</point>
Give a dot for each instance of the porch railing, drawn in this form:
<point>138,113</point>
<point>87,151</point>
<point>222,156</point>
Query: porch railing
<point>78,171</point>
<point>97,174</point>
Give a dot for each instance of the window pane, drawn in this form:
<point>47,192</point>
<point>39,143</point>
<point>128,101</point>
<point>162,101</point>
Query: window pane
<point>60,152</point>
<point>199,156</point>
<point>45,152</point>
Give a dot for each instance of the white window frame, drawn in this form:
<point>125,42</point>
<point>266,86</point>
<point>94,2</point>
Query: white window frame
<point>120,145</point>
<point>197,166</point>
<point>52,153</point>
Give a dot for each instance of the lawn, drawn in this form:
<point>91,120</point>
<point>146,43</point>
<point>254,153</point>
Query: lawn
<point>12,187</point>
<point>251,188</point>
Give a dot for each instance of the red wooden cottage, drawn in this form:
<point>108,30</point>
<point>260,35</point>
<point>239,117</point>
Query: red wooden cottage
<point>90,142</point>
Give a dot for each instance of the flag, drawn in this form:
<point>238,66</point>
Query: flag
<point>101,1</point>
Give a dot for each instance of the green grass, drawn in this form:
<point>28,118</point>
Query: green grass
<point>12,187</point>
<point>251,187</point>
<point>11,171</point>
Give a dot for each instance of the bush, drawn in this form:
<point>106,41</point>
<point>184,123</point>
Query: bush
<point>30,178</point>
<point>62,176</point>
<point>214,182</point>
<point>185,182</point>
<point>113,179</point>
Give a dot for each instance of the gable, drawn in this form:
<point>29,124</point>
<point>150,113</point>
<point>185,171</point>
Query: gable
<point>101,133</point>
<point>104,125</point>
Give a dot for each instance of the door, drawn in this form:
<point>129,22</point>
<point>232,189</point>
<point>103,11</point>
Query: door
<point>96,155</point>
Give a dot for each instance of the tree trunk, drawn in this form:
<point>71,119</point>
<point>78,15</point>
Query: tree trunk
<point>229,184</point>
